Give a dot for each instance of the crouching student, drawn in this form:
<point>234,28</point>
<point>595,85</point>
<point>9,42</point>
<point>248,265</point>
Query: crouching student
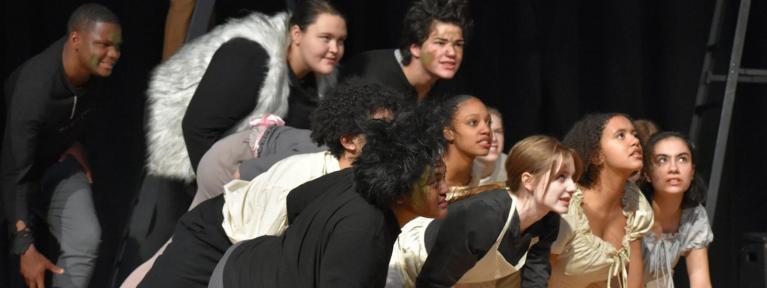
<point>255,208</point>
<point>499,237</point>
<point>343,225</point>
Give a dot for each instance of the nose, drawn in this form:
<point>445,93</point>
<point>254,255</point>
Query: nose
<point>334,47</point>
<point>114,53</point>
<point>450,50</point>
<point>673,166</point>
<point>571,186</point>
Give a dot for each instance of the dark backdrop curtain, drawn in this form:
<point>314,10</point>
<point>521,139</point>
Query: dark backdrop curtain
<point>542,63</point>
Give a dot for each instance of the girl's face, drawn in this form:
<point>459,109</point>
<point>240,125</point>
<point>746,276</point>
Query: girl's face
<point>441,54</point>
<point>470,128</point>
<point>429,197</point>
<point>321,44</point>
<point>560,189</point>
<point>672,169</point>
<point>619,146</point>
<point>496,147</point>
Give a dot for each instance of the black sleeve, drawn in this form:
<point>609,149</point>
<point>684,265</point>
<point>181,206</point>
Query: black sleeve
<point>227,93</point>
<point>26,109</point>
<point>355,255</point>
<point>466,234</point>
<point>537,269</point>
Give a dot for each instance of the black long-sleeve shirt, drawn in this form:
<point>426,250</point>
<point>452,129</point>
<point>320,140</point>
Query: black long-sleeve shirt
<point>381,66</point>
<point>338,239</point>
<point>44,119</point>
<point>472,226</point>
<point>229,91</point>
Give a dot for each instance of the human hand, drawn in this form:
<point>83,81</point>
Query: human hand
<point>78,152</point>
<point>33,266</point>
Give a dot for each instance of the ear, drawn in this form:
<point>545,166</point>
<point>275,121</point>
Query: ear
<point>528,181</point>
<point>598,159</point>
<point>75,38</point>
<point>415,50</point>
<point>349,143</point>
<point>295,35</point>
<point>449,134</point>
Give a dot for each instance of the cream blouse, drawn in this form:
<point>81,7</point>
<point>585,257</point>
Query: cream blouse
<point>585,260</point>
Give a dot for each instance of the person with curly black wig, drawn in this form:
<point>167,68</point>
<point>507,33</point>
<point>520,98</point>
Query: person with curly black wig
<point>681,223</point>
<point>599,241</point>
<point>434,33</point>
<point>343,225</point>
<point>249,209</point>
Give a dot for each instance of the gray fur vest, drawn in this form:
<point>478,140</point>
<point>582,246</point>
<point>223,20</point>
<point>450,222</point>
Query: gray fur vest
<point>173,83</point>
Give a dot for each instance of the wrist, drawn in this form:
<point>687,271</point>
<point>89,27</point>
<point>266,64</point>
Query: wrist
<point>21,241</point>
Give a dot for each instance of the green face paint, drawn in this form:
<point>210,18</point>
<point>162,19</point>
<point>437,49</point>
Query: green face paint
<point>421,190</point>
<point>426,57</point>
<point>93,61</point>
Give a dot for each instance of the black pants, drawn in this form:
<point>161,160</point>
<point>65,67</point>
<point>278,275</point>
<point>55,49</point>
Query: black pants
<point>198,244</point>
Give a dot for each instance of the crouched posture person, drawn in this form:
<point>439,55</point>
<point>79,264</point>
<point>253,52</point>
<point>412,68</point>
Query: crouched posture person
<point>343,225</point>
<point>44,171</point>
<point>249,209</point>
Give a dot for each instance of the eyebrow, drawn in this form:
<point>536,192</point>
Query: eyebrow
<point>677,155</point>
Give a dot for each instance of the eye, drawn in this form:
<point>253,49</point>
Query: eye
<point>683,159</point>
<point>661,160</point>
<point>472,122</point>
<point>621,135</point>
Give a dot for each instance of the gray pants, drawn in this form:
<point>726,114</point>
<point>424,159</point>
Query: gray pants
<point>71,218</point>
<point>217,278</point>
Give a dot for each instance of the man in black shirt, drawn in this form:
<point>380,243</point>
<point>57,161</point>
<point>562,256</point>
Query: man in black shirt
<point>430,50</point>
<point>43,165</point>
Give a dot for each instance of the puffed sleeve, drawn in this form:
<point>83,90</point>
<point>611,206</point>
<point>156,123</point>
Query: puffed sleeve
<point>699,233</point>
<point>640,215</point>
<point>567,225</point>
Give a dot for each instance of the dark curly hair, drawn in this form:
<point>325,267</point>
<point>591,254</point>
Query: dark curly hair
<point>696,194</point>
<point>396,154</point>
<point>83,18</point>
<point>584,137</point>
<point>345,109</point>
<point>419,19</point>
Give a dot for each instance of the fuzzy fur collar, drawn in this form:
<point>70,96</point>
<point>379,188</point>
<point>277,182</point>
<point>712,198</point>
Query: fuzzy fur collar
<point>172,85</point>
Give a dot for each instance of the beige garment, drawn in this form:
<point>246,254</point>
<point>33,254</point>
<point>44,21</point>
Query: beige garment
<point>258,207</point>
<point>585,260</point>
<point>492,270</point>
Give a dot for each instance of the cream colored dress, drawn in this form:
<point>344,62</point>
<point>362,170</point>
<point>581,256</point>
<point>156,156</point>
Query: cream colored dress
<point>585,260</point>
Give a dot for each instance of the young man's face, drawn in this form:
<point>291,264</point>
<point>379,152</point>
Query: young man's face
<point>441,54</point>
<point>98,47</point>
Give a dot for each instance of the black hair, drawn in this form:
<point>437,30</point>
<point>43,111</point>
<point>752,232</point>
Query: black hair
<point>397,154</point>
<point>584,137</point>
<point>86,15</point>
<point>450,105</point>
<point>307,11</point>
<point>696,194</point>
<point>345,109</point>
<point>419,19</point>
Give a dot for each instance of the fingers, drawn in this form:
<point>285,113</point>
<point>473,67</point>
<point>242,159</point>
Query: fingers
<point>40,281</point>
<point>53,268</point>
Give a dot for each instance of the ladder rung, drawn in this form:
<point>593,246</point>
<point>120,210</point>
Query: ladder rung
<point>741,78</point>
<point>753,72</point>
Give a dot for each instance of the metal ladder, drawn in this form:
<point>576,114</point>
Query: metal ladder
<point>735,74</point>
